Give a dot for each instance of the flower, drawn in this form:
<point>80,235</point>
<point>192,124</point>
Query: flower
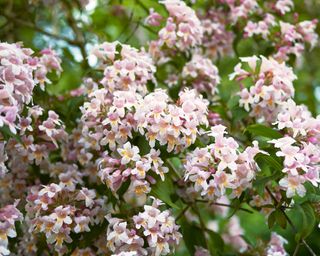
<point>61,215</point>
<point>292,184</point>
<point>129,153</point>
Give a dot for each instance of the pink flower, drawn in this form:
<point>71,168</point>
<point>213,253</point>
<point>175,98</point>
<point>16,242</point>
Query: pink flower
<point>61,215</point>
<point>154,18</point>
<point>129,153</point>
<point>293,185</point>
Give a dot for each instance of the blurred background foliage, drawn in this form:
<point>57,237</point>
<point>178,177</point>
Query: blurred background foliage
<point>72,30</point>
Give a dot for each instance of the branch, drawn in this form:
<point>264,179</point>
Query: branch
<point>16,20</point>
<point>182,212</point>
<point>77,31</point>
<point>202,224</point>
<point>133,32</point>
<point>276,203</point>
<point>225,205</point>
<point>142,6</point>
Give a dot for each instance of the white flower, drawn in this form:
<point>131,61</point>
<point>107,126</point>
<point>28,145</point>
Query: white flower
<point>129,153</point>
<point>293,185</point>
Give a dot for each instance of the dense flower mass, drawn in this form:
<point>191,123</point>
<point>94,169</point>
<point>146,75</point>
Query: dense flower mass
<point>162,149</point>
<point>182,31</point>
<point>220,166</point>
<point>157,227</point>
<point>270,84</point>
<point>202,74</point>
<point>20,72</point>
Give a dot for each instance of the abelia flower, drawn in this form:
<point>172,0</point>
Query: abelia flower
<point>217,39</point>
<point>276,245</point>
<point>272,85</point>
<point>200,251</point>
<point>293,185</point>
<point>8,216</point>
<point>154,18</point>
<point>182,31</point>
<point>152,225</point>
<point>301,164</point>
<point>241,9</point>
<point>129,153</point>
<point>202,74</point>
<point>128,69</point>
<point>221,165</point>
<point>233,235</point>
<point>57,212</point>
<point>19,73</point>
<point>284,6</point>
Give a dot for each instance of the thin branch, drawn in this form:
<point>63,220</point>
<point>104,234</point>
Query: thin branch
<point>80,37</point>
<point>182,212</point>
<point>126,26</point>
<point>308,247</point>
<point>174,169</point>
<point>142,6</point>
<point>296,249</point>
<point>202,224</point>
<point>133,32</point>
<point>289,221</point>
<point>225,205</point>
<point>16,20</point>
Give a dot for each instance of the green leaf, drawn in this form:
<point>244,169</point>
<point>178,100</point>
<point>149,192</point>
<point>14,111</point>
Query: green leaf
<point>163,191</point>
<point>307,219</point>
<point>264,131</point>
<point>272,219</point>
<point>215,243</point>
<point>280,218</point>
<point>312,198</point>
<point>192,236</point>
<point>7,134</point>
<point>271,171</point>
<point>270,160</point>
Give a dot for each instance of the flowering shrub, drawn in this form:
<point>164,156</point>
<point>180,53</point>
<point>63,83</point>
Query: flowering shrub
<point>159,128</point>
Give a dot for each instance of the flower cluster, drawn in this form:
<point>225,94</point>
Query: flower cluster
<point>294,37</point>
<point>221,165</point>
<point>217,39</point>
<point>38,138</point>
<point>115,171</point>
<point>261,21</point>
<point>241,9</point>
<point>154,226</point>
<point>276,245</point>
<point>298,122</point>
<point>57,210</point>
<point>202,74</point>
<point>20,72</point>
<point>182,31</point>
<point>128,69</point>
<point>85,179</point>
<point>174,125</point>
<point>270,84</point>
<point>300,150</point>
<point>8,216</point>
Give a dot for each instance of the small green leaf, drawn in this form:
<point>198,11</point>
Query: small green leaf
<point>272,219</point>
<point>280,218</point>
<point>163,190</point>
<point>264,131</point>
<point>307,219</point>
<point>192,236</point>
<point>215,243</point>
<point>313,198</point>
<point>7,134</point>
